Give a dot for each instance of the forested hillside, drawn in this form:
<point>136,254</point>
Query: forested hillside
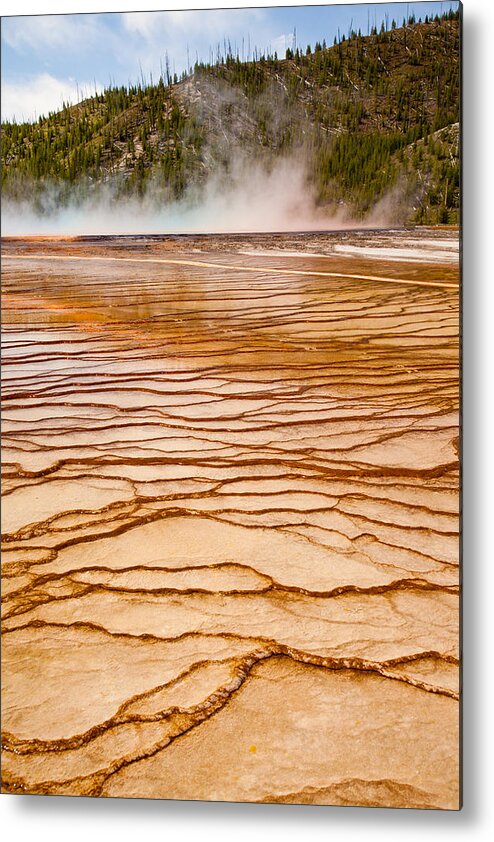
<point>366,115</point>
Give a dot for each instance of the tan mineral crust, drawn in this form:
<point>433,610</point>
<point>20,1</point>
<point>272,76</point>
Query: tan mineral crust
<point>230,518</point>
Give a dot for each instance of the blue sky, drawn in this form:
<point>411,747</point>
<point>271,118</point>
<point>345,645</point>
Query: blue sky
<point>49,58</point>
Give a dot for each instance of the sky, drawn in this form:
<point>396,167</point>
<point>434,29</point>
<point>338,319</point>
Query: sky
<point>52,58</point>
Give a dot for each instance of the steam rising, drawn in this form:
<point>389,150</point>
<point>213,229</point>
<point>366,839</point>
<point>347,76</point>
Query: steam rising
<point>245,188</point>
<point>250,198</point>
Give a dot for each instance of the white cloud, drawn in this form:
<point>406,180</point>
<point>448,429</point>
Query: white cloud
<point>281,43</point>
<point>40,33</point>
<point>46,35</point>
<point>39,95</point>
<point>214,24</point>
<point>185,35</point>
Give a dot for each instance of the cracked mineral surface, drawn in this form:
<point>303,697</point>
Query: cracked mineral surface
<point>230,517</point>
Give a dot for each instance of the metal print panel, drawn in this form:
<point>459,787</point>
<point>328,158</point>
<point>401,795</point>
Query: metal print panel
<point>230,290</point>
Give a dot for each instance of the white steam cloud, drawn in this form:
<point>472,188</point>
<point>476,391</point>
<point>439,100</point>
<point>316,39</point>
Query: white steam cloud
<point>251,198</point>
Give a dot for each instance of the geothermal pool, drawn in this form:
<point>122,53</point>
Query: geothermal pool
<point>230,517</point>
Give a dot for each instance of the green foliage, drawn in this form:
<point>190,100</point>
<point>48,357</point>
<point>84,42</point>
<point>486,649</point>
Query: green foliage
<point>360,165</point>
